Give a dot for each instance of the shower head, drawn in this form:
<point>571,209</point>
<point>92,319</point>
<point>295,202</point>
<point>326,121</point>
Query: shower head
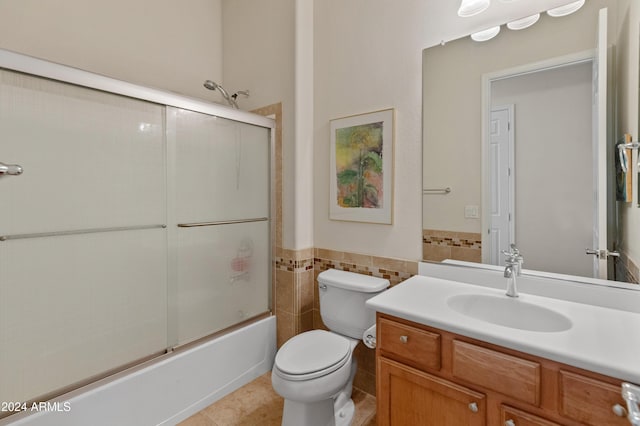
<point>212,85</point>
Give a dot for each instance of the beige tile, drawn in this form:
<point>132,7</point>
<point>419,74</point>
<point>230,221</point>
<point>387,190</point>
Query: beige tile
<point>316,292</point>
<point>471,236</point>
<point>285,327</point>
<point>253,404</point>
<point>304,291</point>
<point>198,419</point>
<point>288,254</point>
<point>330,254</point>
<point>358,259</point>
<point>306,322</point>
<point>285,292</point>
<point>435,253</point>
<point>436,233</point>
<point>365,381</point>
<point>258,404</point>
<point>371,421</point>
<point>317,321</point>
<point>466,254</point>
<point>366,358</point>
<point>389,264</point>
<point>412,268</point>
<point>365,405</point>
<point>304,253</point>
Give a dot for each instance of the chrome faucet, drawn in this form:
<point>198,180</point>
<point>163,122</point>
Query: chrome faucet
<point>513,266</point>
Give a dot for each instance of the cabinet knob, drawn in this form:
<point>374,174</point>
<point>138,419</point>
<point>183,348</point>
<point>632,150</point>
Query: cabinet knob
<point>404,339</point>
<point>619,410</point>
<point>473,407</point>
<point>509,423</point>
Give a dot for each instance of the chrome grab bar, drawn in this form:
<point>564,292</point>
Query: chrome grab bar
<point>10,169</point>
<point>631,394</point>
<point>77,232</point>
<point>222,222</point>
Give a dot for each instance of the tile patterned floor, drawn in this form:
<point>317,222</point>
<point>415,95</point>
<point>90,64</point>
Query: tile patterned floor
<point>256,404</point>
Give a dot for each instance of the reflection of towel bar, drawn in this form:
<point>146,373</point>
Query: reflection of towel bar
<point>222,222</point>
<point>437,190</point>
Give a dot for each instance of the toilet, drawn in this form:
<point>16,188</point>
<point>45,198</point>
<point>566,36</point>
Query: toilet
<point>314,371</point>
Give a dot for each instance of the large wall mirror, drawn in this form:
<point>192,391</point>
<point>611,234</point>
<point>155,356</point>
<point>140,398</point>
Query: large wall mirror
<point>510,147</point>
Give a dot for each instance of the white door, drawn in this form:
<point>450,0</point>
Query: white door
<point>600,149</point>
<point>501,159</point>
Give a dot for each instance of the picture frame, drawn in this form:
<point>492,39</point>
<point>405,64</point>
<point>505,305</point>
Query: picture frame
<point>361,167</point>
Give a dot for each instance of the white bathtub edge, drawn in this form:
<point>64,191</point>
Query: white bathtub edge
<point>171,390</point>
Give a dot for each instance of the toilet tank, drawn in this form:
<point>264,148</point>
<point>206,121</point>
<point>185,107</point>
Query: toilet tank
<point>342,301</point>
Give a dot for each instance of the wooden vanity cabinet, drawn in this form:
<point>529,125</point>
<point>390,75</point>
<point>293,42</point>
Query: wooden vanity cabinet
<point>427,376</point>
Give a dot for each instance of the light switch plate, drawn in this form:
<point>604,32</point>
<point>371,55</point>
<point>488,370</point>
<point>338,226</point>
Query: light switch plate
<point>471,212</point>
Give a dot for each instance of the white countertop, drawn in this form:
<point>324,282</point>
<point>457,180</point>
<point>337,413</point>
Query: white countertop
<point>601,339</point>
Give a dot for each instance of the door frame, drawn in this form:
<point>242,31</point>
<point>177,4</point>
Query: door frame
<point>487,80</point>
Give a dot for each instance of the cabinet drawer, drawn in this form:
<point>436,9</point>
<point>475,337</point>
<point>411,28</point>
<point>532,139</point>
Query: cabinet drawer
<point>590,401</point>
<point>509,375</point>
<point>411,345</point>
<point>513,417</point>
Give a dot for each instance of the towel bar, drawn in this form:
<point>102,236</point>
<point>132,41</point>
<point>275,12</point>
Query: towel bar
<point>437,190</point>
<point>78,232</point>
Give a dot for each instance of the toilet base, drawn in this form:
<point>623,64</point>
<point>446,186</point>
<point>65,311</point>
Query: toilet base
<point>344,416</point>
<point>336,411</point>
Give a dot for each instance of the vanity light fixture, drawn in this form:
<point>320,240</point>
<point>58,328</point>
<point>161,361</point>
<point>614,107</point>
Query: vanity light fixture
<point>485,35</point>
<point>523,23</point>
<point>565,10</point>
<point>472,7</point>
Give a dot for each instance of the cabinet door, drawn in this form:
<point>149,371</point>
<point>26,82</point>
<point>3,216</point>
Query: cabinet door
<point>407,396</point>
<point>513,417</point>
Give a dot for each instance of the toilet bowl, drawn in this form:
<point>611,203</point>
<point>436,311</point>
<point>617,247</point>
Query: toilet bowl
<point>314,371</point>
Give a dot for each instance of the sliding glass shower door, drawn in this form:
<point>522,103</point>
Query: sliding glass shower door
<point>221,221</point>
<point>135,227</point>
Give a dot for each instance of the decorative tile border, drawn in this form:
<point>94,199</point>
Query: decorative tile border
<point>293,265</point>
<point>395,270</point>
<point>452,239</point>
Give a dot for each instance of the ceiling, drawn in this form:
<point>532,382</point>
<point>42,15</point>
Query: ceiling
<point>444,24</point>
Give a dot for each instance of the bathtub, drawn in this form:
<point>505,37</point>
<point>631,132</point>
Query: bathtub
<point>168,391</point>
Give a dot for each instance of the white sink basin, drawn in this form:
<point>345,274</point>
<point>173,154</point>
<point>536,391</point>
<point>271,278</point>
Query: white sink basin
<point>509,312</point>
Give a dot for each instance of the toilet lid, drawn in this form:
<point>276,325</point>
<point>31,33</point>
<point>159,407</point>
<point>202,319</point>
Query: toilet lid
<point>312,352</point>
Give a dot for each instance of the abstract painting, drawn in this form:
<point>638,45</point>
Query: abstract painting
<point>362,167</point>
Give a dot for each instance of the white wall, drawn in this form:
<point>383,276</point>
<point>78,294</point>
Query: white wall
<point>259,55</point>
<point>367,58</point>
<point>168,45</point>
<point>554,214</point>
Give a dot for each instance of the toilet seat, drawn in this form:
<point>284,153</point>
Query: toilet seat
<point>312,354</point>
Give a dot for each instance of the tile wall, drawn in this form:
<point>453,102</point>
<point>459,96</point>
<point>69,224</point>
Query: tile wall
<point>438,245</point>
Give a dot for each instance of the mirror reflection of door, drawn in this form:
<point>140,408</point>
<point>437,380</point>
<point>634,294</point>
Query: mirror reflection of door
<point>501,167</point>
<point>552,167</point>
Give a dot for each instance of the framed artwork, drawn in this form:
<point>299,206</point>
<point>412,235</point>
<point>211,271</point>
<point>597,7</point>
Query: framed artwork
<point>361,174</point>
